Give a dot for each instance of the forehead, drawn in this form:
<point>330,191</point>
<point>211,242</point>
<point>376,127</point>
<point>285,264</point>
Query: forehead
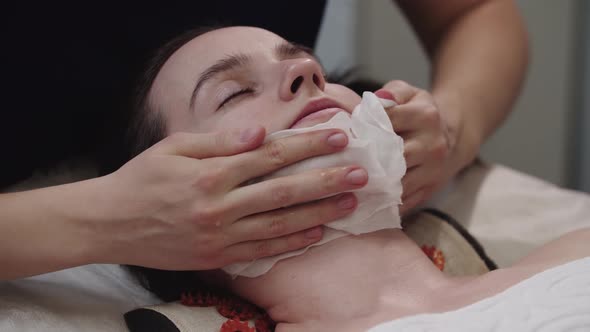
<point>212,45</point>
<point>188,62</point>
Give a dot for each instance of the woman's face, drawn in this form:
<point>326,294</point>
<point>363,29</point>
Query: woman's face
<point>241,77</point>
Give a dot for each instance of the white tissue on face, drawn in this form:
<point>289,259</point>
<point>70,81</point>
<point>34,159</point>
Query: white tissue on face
<point>373,145</point>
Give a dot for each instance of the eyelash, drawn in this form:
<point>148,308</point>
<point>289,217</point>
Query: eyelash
<point>235,94</point>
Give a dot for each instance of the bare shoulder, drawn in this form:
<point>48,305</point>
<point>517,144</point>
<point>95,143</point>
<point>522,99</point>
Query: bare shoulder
<point>569,247</point>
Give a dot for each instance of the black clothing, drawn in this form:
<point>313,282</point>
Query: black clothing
<point>66,68</point>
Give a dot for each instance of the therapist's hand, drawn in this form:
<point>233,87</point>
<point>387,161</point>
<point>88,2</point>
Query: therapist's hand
<point>185,204</point>
<point>427,140</point>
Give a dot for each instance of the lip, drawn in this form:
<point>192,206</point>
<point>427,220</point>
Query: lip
<point>316,106</point>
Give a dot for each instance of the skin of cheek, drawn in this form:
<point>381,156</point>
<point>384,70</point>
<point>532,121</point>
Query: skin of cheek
<point>243,114</point>
<point>250,113</point>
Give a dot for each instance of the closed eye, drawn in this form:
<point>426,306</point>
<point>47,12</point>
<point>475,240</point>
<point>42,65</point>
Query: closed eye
<point>235,95</point>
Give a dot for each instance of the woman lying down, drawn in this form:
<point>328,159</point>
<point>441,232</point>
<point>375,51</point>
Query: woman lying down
<point>356,282</point>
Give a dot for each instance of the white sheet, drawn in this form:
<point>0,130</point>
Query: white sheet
<point>88,298</point>
<point>555,300</point>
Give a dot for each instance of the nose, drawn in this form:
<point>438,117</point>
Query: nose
<point>301,75</point>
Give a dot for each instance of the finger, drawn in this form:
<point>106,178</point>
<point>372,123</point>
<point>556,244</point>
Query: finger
<point>282,152</point>
<point>291,220</point>
<point>251,250</point>
<point>384,94</point>
<point>401,91</point>
<point>418,198</point>
<point>415,179</point>
<point>410,117</point>
<point>216,144</point>
<point>295,189</point>
<point>412,201</point>
<point>415,152</point>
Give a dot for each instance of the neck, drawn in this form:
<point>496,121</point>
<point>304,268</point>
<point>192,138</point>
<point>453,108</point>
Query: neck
<point>353,278</point>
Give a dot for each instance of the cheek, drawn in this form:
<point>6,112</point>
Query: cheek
<point>248,113</point>
<point>344,95</point>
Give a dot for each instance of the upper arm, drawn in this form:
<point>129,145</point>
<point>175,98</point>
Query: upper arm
<point>431,20</point>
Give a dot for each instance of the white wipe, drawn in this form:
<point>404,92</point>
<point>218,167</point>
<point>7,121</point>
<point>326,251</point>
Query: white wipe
<point>373,145</point>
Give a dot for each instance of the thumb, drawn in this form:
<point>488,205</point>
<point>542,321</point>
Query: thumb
<point>398,91</point>
<point>216,144</point>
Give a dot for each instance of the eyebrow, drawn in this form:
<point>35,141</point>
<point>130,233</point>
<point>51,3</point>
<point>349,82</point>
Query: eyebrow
<point>283,50</point>
<point>287,49</point>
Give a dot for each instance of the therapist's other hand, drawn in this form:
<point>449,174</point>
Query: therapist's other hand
<point>427,141</point>
<point>185,203</point>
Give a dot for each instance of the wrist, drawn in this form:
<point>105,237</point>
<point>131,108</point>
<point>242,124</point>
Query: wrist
<point>465,138</point>
<point>84,208</point>
<point>104,216</point>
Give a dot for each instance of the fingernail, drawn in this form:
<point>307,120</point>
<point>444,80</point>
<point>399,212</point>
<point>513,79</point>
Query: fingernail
<point>248,134</point>
<point>357,176</point>
<point>337,140</point>
<point>313,233</point>
<point>382,93</point>
<point>346,202</point>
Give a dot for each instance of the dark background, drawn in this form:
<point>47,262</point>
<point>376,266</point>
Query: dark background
<point>67,68</point>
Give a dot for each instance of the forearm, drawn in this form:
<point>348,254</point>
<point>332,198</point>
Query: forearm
<point>478,72</point>
<point>46,230</point>
<point>479,58</point>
